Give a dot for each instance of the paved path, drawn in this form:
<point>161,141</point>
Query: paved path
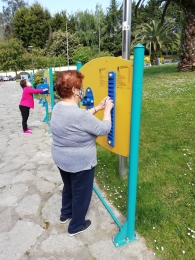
<point>30,198</point>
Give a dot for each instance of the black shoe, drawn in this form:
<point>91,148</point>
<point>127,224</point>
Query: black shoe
<point>85,227</point>
<point>63,220</point>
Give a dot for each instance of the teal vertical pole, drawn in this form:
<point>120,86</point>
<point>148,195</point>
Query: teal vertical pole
<point>51,87</point>
<point>46,118</point>
<point>138,68</point>
<point>32,79</point>
<point>79,65</point>
<point>127,233</point>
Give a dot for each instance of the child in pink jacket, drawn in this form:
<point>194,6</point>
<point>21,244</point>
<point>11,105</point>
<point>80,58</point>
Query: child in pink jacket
<point>27,102</point>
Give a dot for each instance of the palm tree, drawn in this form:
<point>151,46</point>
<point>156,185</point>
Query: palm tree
<point>156,36</point>
<point>187,56</point>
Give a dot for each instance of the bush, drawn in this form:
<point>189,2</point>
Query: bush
<point>38,78</point>
<point>147,59</point>
<point>156,55</point>
<point>130,58</point>
<point>162,59</point>
<point>83,55</point>
<point>102,54</point>
<point>55,74</point>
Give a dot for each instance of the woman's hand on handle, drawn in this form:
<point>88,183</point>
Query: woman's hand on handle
<point>108,104</point>
<point>105,102</point>
<point>101,106</point>
<point>108,107</point>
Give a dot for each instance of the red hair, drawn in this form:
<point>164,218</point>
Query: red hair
<point>66,80</point>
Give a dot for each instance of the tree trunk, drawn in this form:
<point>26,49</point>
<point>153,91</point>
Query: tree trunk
<point>187,57</point>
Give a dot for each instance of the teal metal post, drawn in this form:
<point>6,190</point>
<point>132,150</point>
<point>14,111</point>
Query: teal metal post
<point>43,71</point>
<point>107,207</point>
<point>127,233</point>
<point>79,65</point>
<point>51,87</point>
<point>32,79</point>
<point>46,118</point>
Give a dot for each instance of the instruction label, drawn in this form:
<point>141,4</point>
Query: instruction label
<point>123,77</point>
<point>103,78</point>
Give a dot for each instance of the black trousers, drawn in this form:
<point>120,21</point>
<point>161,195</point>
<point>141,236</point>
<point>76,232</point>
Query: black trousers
<point>25,114</point>
<point>76,197</point>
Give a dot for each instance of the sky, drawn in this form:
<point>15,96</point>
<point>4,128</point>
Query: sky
<point>71,6</point>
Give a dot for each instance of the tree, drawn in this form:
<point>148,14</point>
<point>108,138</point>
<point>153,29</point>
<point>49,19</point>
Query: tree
<point>58,21</point>
<point>83,55</point>
<point>157,34</point>
<point>187,57</point>
<point>32,25</point>
<point>13,56</point>
<point>86,28</point>
<point>112,32</point>
<point>2,32</point>
<point>59,44</point>
<point>60,60</point>
<point>41,60</point>
<point>151,9</point>
<point>102,54</point>
<point>71,23</point>
<point>99,28</point>
<point>7,15</point>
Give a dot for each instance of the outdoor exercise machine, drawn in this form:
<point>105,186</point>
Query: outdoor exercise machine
<point>122,81</point>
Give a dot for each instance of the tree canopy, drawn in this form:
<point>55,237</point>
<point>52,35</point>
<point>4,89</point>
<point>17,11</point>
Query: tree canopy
<point>187,57</point>
<point>101,30</point>
<point>7,15</point>
<point>13,56</point>
<point>31,25</point>
<point>157,36</point>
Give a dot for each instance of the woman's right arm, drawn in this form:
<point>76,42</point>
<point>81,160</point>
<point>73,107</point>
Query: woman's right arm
<point>34,91</point>
<point>95,126</point>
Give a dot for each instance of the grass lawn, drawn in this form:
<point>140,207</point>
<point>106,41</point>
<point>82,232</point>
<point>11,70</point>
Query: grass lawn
<point>165,214</point>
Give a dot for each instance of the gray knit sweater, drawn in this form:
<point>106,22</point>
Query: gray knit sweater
<point>74,132</point>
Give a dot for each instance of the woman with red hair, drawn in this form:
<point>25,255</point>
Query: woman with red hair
<point>74,133</point>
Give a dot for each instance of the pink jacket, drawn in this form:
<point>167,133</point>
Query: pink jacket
<point>27,97</point>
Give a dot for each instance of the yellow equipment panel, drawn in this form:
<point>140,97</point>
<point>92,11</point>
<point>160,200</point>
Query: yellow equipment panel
<point>96,77</point>
<point>48,98</point>
<point>46,75</point>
